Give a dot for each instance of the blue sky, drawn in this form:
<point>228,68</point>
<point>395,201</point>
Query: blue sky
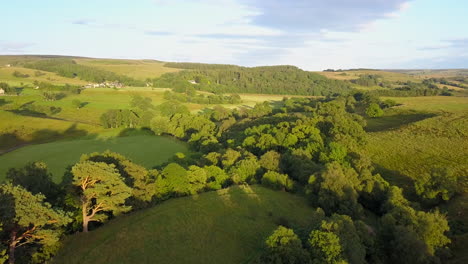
<point>313,35</point>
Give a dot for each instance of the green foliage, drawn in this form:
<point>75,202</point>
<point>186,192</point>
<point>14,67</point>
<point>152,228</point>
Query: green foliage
<point>325,248</point>
<point>69,68</point>
<point>277,181</point>
<point>3,249</point>
<point>374,110</point>
<point>245,170</point>
<point>270,80</point>
<point>18,74</point>
<point>171,108</point>
<point>216,177</point>
<point>230,157</point>
<point>368,80</point>
<point>271,160</point>
<point>405,228</point>
<point>101,189</point>
<point>336,189</point>
<point>407,89</point>
<point>52,96</point>
<point>35,178</point>
<point>8,89</point>
<point>135,176</point>
<point>77,103</point>
<point>284,246</point>
<point>116,118</point>
<point>142,103</point>
<point>202,99</point>
<point>28,221</point>
<point>441,183</point>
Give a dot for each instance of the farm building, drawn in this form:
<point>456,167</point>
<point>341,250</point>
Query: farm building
<point>2,92</point>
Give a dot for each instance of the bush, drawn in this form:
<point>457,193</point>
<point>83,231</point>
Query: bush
<point>277,181</point>
<point>374,110</point>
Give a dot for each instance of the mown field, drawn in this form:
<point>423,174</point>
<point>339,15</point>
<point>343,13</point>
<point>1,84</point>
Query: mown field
<point>226,226</point>
<point>147,150</point>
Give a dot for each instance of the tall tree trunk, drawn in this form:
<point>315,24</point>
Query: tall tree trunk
<point>12,247</point>
<point>84,210</point>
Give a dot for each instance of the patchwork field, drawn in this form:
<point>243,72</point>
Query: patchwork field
<point>226,226</point>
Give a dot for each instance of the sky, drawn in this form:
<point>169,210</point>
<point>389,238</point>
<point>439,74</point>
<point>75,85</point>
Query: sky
<point>310,34</point>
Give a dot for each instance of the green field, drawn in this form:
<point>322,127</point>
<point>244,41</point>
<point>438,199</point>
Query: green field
<point>138,69</point>
<point>147,150</point>
<point>421,134</point>
<point>227,226</point>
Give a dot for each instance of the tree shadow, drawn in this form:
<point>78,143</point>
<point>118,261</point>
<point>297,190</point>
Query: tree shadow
<point>396,121</point>
<point>11,141</point>
<point>3,102</point>
<point>135,132</point>
<point>83,104</point>
<point>28,112</point>
<point>399,179</point>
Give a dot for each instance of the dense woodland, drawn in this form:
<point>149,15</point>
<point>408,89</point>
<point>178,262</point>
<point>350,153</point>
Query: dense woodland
<point>310,147</point>
<point>268,80</point>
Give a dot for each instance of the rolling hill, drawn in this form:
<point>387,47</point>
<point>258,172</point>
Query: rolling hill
<point>226,226</point>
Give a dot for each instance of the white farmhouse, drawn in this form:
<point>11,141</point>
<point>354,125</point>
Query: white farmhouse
<point>2,92</point>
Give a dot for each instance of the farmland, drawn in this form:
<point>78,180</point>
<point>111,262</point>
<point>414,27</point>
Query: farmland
<point>266,146</point>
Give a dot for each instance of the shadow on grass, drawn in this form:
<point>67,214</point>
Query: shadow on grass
<point>398,179</point>
<point>11,141</point>
<point>395,121</point>
<point>3,102</point>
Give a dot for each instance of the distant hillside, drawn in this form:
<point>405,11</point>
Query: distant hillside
<point>283,79</point>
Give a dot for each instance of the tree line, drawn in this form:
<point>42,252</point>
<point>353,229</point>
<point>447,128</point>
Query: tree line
<point>269,80</point>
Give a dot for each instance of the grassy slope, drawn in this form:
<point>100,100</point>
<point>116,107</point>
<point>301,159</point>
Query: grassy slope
<point>146,150</point>
<point>138,69</point>
<point>6,75</point>
<point>351,75</point>
<point>423,133</point>
<point>227,226</point>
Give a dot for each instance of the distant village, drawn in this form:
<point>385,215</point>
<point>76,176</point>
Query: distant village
<point>104,85</point>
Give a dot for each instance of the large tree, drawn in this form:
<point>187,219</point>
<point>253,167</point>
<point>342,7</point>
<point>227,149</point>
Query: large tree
<point>28,220</point>
<point>101,189</point>
<point>284,246</point>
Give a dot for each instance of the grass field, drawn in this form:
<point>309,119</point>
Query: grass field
<point>351,75</point>
<point>227,226</point>
<point>432,103</point>
<point>421,134</point>
<point>146,150</point>
<point>138,69</point>
<point>425,73</point>
<point>6,75</point>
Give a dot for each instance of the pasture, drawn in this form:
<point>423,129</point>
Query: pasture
<point>138,69</point>
<point>147,150</point>
<point>226,226</point>
<point>354,74</point>
<point>422,134</point>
